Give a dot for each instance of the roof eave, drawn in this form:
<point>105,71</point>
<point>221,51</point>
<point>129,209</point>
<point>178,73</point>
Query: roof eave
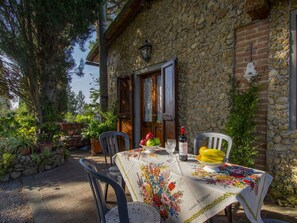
<point>93,53</point>
<point>124,18</point>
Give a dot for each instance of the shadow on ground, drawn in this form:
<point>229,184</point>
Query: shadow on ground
<point>63,195</point>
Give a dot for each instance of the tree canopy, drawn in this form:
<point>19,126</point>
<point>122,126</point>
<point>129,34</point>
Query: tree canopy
<point>37,36</point>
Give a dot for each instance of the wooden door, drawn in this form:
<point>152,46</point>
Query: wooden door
<point>169,100</point>
<point>159,103</point>
<point>125,107</point>
<point>151,104</point>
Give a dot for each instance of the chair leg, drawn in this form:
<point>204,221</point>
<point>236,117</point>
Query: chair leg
<point>121,181</point>
<point>123,184</point>
<point>210,220</point>
<point>228,212</point>
<point>106,191</point>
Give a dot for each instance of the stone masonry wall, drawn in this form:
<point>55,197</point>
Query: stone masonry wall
<point>281,147</point>
<point>201,35</point>
<point>26,165</point>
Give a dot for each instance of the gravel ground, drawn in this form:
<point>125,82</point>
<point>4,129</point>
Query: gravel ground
<point>14,207</point>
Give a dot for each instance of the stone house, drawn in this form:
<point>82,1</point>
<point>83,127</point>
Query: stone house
<point>197,48</point>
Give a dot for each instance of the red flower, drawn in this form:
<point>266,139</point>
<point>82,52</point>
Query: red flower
<point>246,181</point>
<point>171,186</point>
<point>164,214</point>
<point>157,200</point>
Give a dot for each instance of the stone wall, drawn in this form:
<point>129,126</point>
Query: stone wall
<point>26,165</point>
<point>281,146</point>
<point>201,35</point>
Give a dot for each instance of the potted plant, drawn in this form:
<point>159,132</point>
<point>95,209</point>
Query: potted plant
<point>92,131</point>
<point>26,145</point>
<point>95,127</point>
<point>47,136</point>
<point>18,145</point>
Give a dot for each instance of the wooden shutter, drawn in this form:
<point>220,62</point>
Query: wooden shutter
<point>169,97</point>
<point>125,107</point>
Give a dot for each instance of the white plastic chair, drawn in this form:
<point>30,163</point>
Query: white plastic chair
<point>215,141</point>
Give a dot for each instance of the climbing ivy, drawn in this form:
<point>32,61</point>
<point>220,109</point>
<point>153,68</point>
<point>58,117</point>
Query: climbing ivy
<point>240,126</point>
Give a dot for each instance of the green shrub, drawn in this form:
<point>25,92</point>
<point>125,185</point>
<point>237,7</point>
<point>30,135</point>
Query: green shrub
<point>49,132</point>
<point>240,126</point>
<point>6,162</point>
<point>19,122</point>
<point>41,158</point>
<point>69,117</point>
<point>26,123</point>
<point>95,126</point>
<point>8,125</point>
<point>83,118</point>
<point>16,145</point>
<point>17,131</point>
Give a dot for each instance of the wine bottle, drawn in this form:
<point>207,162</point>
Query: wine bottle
<point>183,145</point>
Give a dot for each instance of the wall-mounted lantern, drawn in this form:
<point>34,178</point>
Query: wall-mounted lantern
<point>146,51</point>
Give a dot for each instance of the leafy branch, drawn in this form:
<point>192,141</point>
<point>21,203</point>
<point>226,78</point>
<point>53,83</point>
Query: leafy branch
<point>241,127</point>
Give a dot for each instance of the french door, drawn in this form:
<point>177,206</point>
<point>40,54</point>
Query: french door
<point>155,107</point>
<point>151,104</point>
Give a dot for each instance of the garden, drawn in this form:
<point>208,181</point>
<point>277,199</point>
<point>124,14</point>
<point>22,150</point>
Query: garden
<point>24,151</point>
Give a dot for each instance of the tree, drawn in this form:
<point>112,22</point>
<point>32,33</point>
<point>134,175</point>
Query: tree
<point>4,106</point>
<point>38,37</point>
<point>80,98</point>
<point>94,106</point>
<point>4,94</point>
<point>71,101</point>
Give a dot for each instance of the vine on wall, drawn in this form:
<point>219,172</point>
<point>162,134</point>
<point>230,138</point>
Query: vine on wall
<point>240,126</point>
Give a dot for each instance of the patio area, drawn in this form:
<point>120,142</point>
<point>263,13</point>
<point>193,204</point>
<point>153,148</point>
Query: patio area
<point>63,195</point>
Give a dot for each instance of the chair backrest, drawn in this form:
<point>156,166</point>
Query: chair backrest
<point>95,178</point>
<point>215,141</point>
<point>110,143</point>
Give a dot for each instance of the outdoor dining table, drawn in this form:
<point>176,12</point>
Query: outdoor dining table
<point>183,191</point>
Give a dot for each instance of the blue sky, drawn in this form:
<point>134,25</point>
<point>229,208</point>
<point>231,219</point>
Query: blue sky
<point>87,81</point>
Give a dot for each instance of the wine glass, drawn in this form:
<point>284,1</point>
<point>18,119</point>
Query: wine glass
<point>170,147</point>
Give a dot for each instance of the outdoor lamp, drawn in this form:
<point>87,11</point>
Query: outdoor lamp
<point>146,51</point>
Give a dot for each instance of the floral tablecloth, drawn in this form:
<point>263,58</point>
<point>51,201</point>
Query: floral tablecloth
<point>185,192</point>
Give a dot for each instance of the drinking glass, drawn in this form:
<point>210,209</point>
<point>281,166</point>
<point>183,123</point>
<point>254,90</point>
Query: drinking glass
<point>170,145</point>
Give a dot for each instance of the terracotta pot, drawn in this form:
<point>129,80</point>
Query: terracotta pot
<point>25,151</point>
<point>95,147</point>
<point>45,146</point>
